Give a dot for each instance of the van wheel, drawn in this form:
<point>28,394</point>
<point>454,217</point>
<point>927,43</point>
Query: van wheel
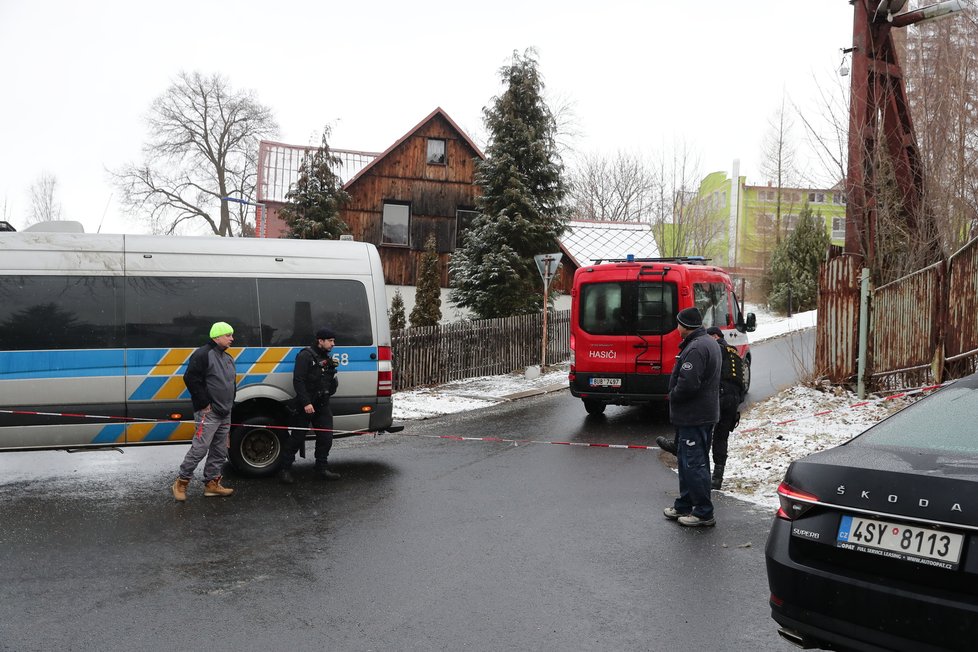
<point>746,375</point>
<point>593,407</point>
<point>256,449</point>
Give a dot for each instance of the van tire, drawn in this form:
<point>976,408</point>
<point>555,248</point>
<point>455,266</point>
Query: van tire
<point>746,375</point>
<point>256,450</point>
<point>593,407</point>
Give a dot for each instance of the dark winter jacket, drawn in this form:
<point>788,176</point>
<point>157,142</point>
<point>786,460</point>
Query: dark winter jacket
<point>694,386</point>
<point>314,377</point>
<point>210,378</point>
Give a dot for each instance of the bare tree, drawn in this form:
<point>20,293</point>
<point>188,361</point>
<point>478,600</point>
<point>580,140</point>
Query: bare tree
<point>778,162</point>
<point>44,204</point>
<point>621,189</point>
<point>941,72</point>
<point>203,146</point>
<point>682,225</point>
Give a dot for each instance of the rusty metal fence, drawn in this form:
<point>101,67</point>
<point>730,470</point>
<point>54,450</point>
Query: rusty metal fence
<point>923,327</point>
<point>484,347</point>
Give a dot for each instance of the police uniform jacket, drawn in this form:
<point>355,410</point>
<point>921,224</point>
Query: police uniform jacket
<point>314,377</point>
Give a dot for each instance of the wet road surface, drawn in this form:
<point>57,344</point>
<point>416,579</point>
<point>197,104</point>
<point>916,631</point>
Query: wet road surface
<point>424,544</point>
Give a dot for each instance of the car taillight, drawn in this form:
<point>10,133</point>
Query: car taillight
<point>794,502</point>
<point>385,371</point>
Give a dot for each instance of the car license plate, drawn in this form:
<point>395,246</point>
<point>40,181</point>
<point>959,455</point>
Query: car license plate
<point>895,540</point>
<point>605,382</point>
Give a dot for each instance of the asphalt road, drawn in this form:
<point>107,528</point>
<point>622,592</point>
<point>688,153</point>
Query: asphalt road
<point>426,543</point>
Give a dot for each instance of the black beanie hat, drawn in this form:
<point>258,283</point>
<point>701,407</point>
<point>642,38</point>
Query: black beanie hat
<point>325,334</point>
<point>690,318</point>
<point>713,330</point>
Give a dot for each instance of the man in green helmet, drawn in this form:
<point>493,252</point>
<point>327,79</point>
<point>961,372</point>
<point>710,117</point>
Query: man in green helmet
<point>210,378</point>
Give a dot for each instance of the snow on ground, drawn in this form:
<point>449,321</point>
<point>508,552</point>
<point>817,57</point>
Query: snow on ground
<point>760,449</point>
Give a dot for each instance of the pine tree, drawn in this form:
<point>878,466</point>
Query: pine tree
<point>396,313</point>
<point>520,210</point>
<point>313,209</point>
<point>795,263</point>
<point>427,298</point>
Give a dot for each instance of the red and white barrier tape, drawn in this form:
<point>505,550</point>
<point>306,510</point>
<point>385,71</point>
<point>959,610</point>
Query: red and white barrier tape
<point>104,417</point>
<point>515,442</point>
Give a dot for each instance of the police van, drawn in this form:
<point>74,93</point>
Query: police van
<point>624,338</point>
<point>96,332</point>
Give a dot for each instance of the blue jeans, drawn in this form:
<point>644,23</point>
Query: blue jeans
<point>693,455</point>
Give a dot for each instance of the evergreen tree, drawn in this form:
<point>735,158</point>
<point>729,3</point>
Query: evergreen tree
<point>313,209</point>
<point>520,210</point>
<point>427,297</point>
<point>396,314</point>
<point>795,263</point>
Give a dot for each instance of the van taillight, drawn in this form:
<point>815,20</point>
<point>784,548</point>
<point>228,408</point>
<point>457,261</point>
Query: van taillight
<point>385,371</point>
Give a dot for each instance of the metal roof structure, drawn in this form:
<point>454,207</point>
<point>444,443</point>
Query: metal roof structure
<point>587,241</point>
<point>279,165</point>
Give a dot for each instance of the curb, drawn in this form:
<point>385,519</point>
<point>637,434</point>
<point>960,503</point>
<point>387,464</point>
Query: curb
<point>533,392</point>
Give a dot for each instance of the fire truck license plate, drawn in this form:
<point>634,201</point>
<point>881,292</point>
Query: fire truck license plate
<point>606,382</point>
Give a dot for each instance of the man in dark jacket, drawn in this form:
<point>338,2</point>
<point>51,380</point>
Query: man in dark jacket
<point>210,378</point>
<point>314,381</point>
<point>694,408</point>
<point>732,391</point>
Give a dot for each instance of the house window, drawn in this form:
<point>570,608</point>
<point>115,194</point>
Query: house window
<point>838,228</point>
<point>397,222</point>
<point>839,198</point>
<point>463,222</point>
<point>436,151</point>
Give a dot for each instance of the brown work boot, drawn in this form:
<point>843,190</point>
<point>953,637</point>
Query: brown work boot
<point>180,489</point>
<point>214,488</point>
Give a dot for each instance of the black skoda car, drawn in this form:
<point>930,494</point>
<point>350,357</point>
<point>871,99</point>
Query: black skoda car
<point>875,545</point>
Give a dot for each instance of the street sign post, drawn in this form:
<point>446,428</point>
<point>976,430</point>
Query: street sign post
<point>547,265</point>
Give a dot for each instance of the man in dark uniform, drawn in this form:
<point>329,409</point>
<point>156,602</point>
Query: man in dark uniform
<point>731,394</point>
<point>314,381</point>
<point>694,408</point>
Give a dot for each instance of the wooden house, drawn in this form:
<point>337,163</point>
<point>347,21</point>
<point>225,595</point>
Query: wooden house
<point>421,185</point>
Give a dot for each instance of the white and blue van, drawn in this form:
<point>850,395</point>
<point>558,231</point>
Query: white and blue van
<point>96,331</point>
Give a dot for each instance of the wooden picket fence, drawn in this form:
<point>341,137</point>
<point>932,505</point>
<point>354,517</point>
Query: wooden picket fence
<point>485,347</point>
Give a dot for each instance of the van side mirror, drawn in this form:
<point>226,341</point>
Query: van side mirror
<point>751,322</point>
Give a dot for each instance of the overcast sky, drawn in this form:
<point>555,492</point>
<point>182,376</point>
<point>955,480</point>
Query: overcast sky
<point>79,78</point>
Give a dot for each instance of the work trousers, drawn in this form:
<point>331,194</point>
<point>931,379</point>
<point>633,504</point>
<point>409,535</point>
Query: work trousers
<point>693,460</point>
<point>210,439</point>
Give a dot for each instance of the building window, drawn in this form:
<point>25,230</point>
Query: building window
<point>436,151</point>
<point>839,198</point>
<point>397,223</point>
<point>463,222</point>
<point>838,228</point>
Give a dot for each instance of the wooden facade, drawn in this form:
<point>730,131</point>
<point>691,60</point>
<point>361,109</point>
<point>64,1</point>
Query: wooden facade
<point>434,192</point>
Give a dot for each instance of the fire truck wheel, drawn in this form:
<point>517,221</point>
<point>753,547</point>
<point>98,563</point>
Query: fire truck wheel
<point>593,407</point>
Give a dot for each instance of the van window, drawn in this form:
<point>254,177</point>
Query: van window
<point>179,311</point>
<point>711,299</point>
<point>60,312</point>
<point>656,308</point>
<point>627,308</point>
<point>292,310</point>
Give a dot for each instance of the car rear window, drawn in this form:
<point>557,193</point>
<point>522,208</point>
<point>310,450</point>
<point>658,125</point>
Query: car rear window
<point>945,421</point>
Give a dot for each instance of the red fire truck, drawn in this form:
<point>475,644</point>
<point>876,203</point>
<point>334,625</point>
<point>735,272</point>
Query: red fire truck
<point>624,340</point>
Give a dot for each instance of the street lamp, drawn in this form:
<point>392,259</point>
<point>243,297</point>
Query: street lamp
<point>264,211</point>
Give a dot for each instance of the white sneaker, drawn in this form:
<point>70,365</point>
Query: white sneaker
<point>671,513</point>
<point>695,521</point>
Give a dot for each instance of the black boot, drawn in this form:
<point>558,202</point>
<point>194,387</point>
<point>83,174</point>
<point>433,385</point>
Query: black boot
<point>668,445</point>
<point>285,476</point>
<point>326,474</point>
<point>717,476</point>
